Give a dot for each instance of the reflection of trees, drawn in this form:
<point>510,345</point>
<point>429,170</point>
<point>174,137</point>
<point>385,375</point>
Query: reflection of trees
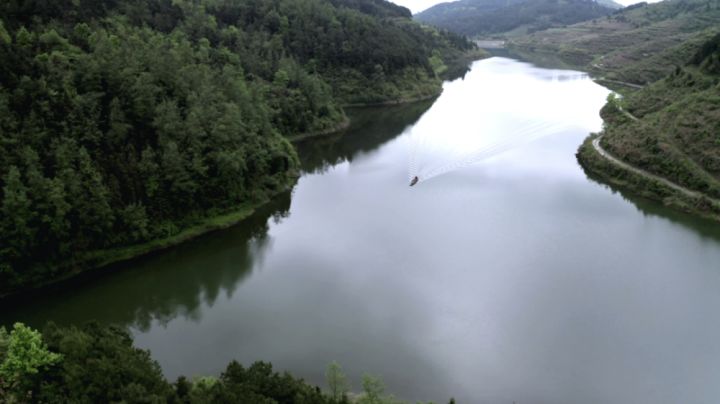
<point>538,59</point>
<point>457,71</point>
<point>369,129</point>
<point>176,282</point>
<point>703,227</point>
<point>180,280</point>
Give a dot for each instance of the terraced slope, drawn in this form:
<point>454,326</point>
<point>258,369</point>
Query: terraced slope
<point>512,17</point>
<point>676,135</point>
<point>639,44</point>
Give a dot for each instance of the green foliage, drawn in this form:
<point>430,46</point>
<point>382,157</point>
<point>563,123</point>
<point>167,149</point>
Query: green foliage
<point>374,392</point>
<point>5,38</point>
<point>124,122</point>
<point>675,135</point>
<point>24,355</point>
<point>4,342</point>
<point>630,184</point>
<point>337,382</point>
<point>493,17</point>
<point>257,384</point>
<point>438,65</point>
<point>96,364</point>
<point>638,44</point>
<point>672,48</point>
<point>708,56</point>
<point>616,101</point>
<point>101,365</point>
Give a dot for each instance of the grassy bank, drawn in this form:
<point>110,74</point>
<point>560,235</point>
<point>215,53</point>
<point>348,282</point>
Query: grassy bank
<point>607,172</point>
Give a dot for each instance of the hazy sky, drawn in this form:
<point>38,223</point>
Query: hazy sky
<point>417,5</point>
<point>420,5</point>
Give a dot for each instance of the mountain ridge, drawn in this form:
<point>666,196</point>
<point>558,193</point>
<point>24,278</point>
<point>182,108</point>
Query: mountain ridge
<point>512,17</point>
<point>639,44</point>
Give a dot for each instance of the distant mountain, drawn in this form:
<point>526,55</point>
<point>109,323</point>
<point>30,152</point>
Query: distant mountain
<point>376,8</point>
<point>490,17</point>
<point>639,44</point>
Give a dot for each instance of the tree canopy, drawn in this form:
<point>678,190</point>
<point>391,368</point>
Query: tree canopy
<point>94,364</point>
<point>125,121</point>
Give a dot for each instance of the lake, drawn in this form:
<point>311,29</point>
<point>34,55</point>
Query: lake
<point>505,275</point>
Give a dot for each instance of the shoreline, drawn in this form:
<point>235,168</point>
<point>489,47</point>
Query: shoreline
<point>340,126</point>
<point>632,182</point>
<point>95,262</point>
<point>545,58</point>
<point>399,101</point>
<point>624,176</point>
<point>345,123</point>
<point>468,58</point>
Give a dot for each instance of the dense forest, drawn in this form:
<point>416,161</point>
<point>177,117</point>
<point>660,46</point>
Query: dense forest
<point>503,17</point>
<point>128,121</point>
<point>95,364</point>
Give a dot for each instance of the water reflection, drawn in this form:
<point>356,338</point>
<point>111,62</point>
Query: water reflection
<point>369,129</point>
<point>549,104</point>
<point>539,59</point>
<point>705,228</point>
<point>156,289</point>
<point>512,280</point>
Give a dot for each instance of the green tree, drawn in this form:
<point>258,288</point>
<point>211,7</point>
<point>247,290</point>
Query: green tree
<point>373,389</point>
<point>124,120</point>
<point>93,206</point>
<point>17,215</point>
<point>5,38</point>
<point>100,365</point>
<point>25,356</point>
<point>337,382</point>
<point>4,342</point>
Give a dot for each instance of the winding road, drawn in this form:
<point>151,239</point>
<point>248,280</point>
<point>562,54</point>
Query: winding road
<point>639,171</point>
<point>646,174</point>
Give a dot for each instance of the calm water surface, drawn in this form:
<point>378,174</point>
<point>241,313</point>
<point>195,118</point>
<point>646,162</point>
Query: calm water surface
<point>510,277</point>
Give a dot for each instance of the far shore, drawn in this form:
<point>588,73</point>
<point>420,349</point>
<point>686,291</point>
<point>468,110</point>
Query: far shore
<point>490,43</point>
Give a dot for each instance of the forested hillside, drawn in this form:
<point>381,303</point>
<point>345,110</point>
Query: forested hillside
<point>511,17</point>
<point>676,134</point>
<point>127,121</point>
<point>639,44</point>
